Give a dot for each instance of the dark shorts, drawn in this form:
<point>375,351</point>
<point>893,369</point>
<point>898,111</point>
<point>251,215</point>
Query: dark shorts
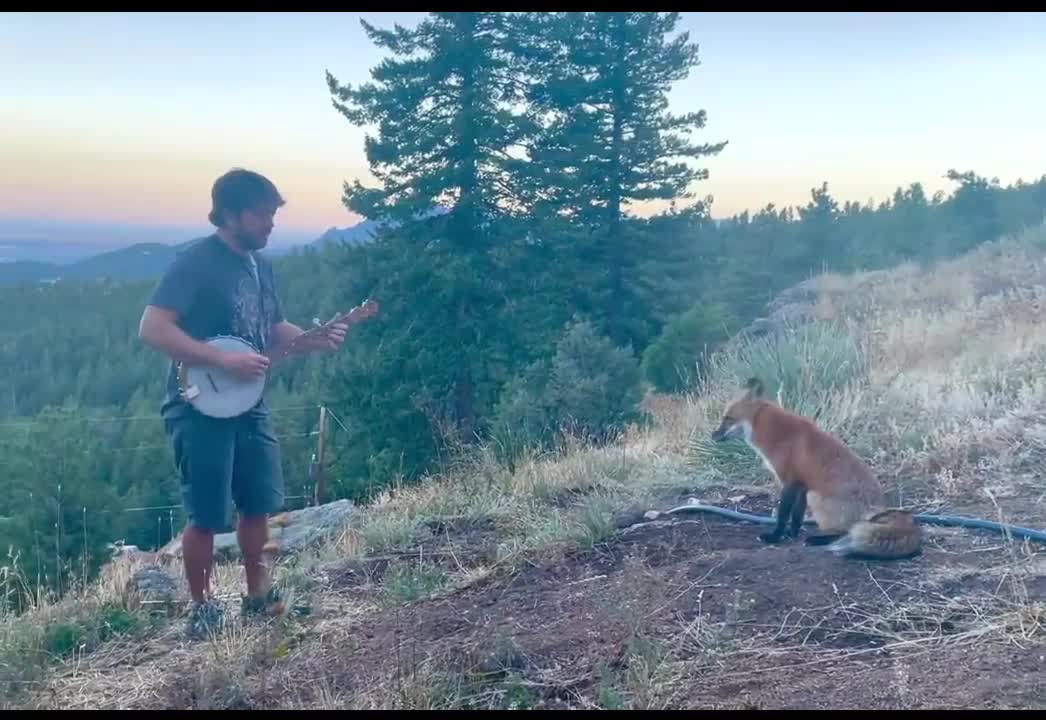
<point>226,465</point>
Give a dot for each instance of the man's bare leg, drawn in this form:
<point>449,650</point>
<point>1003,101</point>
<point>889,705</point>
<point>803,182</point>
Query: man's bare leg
<point>252,534</point>
<point>198,558</point>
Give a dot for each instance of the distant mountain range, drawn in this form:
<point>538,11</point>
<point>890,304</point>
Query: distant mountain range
<point>359,234</point>
<point>20,261</point>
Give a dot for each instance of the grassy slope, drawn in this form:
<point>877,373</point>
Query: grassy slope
<point>936,377</point>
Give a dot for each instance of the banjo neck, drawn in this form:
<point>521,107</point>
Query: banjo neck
<point>357,314</point>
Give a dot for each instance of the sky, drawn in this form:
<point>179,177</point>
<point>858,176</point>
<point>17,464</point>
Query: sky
<point>126,119</point>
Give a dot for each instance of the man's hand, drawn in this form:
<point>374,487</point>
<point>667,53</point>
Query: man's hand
<point>292,339</point>
<point>326,339</point>
<point>246,365</point>
<point>334,336</point>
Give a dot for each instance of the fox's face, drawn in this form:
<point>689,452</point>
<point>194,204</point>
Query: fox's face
<point>737,418</point>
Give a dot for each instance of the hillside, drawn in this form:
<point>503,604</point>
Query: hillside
<point>544,587</point>
<point>141,261</point>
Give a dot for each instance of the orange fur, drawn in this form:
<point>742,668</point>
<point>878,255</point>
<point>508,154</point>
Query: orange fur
<point>817,470</point>
<point>885,535</point>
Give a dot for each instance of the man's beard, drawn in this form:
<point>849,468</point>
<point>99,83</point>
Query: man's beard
<point>251,242</point>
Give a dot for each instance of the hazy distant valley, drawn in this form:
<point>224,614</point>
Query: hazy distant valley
<point>29,256</point>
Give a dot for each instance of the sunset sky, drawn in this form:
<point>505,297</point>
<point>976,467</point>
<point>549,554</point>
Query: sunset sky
<point>128,118</point>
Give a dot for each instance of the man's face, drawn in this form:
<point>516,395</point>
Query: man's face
<point>253,227</point>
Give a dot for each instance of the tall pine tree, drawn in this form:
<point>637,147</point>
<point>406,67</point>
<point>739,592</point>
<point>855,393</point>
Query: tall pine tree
<point>601,87</point>
<point>443,108</point>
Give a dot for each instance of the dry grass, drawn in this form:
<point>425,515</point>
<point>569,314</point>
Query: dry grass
<point>75,627</point>
<point>550,502</point>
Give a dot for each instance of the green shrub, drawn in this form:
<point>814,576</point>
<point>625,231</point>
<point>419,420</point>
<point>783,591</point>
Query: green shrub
<point>589,388</point>
<point>673,361</point>
<point>807,369</point>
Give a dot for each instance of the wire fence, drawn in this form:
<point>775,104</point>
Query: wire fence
<point>75,492</point>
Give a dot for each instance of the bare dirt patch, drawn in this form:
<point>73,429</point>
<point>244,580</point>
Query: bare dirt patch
<point>740,624</point>
<point>695,612</point>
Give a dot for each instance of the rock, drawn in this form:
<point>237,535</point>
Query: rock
<point>293,530</point>
<point>758,328</point>
<point>627,518</point>
<point>789,309</point>
<point>120,549</point>
<point>803,293</point>
<point>153,583</point>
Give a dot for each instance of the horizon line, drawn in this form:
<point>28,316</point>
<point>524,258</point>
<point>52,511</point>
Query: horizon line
<point>10,223</point>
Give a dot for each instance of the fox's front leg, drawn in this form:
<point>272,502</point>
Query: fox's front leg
<point>790,494</point>
<point>798,512</point>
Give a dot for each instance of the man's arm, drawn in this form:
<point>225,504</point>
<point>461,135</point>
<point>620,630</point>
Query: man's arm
<point>173,297</point>
<point>283,333</point>
<point>158,328</point>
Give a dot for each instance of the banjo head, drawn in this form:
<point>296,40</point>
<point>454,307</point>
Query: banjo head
<point>217,393</point>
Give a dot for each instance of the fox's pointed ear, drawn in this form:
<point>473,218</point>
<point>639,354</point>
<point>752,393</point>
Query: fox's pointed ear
<point>754,387</point>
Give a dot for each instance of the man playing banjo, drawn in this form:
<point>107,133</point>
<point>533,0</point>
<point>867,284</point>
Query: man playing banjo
<point>220,286</point>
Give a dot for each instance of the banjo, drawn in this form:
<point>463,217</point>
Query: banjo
<point>217,393</point>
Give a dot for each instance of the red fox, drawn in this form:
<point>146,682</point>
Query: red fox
<point>815,468</point>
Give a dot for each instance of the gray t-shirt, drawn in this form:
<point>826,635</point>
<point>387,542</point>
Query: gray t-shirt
<point>216,291</point>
